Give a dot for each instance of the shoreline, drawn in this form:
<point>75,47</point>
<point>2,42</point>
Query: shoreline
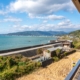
<point>22,48</point>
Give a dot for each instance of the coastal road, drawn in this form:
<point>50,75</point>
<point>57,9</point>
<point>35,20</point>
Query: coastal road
<point>29,49</point>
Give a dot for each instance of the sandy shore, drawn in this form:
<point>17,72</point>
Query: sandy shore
<point>55,71</point>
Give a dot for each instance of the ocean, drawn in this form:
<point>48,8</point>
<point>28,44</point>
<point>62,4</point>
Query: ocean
<point>12,42</point>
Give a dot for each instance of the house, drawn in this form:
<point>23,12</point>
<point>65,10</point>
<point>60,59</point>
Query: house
<point>51,51</point>
<point>64,45</point>
<point>67,45</point>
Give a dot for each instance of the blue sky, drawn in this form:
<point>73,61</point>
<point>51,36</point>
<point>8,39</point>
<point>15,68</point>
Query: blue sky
<point>38,15</point>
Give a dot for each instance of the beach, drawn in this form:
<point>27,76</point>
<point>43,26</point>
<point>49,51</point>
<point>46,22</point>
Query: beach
<point>55,71</point>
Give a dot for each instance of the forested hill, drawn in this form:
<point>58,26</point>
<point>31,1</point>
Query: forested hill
<point>39,33</point>
<point>75,33</point>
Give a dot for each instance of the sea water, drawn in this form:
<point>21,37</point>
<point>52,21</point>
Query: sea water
<point>12,42</point>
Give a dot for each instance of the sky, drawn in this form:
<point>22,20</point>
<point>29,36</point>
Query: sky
<point>38,15</point>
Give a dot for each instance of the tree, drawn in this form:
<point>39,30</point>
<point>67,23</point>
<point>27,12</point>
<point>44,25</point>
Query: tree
<point>58,51</point>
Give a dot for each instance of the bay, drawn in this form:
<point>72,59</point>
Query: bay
<point>12,42</point>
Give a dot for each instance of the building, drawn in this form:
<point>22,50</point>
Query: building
<point>51,51</point>
<point>66,44</point>
<point>63,45</point>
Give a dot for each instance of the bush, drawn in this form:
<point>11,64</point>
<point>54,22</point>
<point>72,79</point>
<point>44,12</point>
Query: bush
<point>58,51</point>
<point>8,74</point>
<point>38,64</point>
<point>39,51</point>
<point>76,44</point>
<point>15,66</point>
<point>55,58</point>
<point>65,53</point>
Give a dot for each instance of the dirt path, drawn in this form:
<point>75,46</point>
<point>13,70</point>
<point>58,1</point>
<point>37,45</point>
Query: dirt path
<point>55,71</point>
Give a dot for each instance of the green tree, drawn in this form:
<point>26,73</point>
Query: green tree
<point>58,51</point>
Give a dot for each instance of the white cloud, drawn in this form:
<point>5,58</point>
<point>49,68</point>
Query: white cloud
<point>11,19</point>
<point>40,7</point>
<point>45,21</point>
<point>67,25</point>
<point>51,17</point>
<point>61,26</point>
<point>2,12</point>
<point>64,23</point>
<point>18,27</point>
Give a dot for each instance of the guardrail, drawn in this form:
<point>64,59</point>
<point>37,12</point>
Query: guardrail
<point>73,71</point>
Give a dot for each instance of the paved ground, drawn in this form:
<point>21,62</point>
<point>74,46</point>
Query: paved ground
<point>55,71</point>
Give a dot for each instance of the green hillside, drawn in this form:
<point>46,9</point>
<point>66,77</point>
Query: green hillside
<point>75,33</point>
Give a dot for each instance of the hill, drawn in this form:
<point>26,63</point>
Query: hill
<point>75,33</point>
<point>39,33</point>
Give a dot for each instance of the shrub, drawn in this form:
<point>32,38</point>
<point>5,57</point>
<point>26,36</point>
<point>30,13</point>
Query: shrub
<point>38,64</point>
<point>55,58</point>
<point>39,51</point>
<point>58,51</point>
<point>15,66</point>
<point>20,70</point>
<point>76,44</point>
<point>8,74</point>
<point>2,65</point>
<point>65,53</point>
<point>24,59</point>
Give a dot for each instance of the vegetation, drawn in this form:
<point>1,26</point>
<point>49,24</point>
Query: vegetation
<point>76,44</point>
<point>65,54</point>
<point>58,51</point>
<point>39,33</point>
<point>48,51</point>
<point>60,54</point>
<point>75,33</point>
<point>12,67</point>
<point>39,51</point>
<point>55,58</point>
<point>75,37</point>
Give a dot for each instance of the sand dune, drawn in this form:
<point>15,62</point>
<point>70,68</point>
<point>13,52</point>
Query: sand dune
<point>55,71</point>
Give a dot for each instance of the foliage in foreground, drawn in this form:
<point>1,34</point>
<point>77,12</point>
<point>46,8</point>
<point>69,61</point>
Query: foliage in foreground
<point>12,67</point>
<point>63,54</point>
<point>76,44</point>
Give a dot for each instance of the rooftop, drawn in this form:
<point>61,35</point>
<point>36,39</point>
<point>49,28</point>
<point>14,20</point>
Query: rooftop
<point>54,48</point>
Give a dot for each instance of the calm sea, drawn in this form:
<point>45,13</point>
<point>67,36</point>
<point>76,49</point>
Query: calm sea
<point>11,42</point>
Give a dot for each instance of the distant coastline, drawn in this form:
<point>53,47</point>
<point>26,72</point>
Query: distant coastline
<point>39,33</point>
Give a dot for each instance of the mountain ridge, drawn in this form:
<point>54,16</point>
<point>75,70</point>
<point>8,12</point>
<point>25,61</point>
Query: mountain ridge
<point>39,33</point>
